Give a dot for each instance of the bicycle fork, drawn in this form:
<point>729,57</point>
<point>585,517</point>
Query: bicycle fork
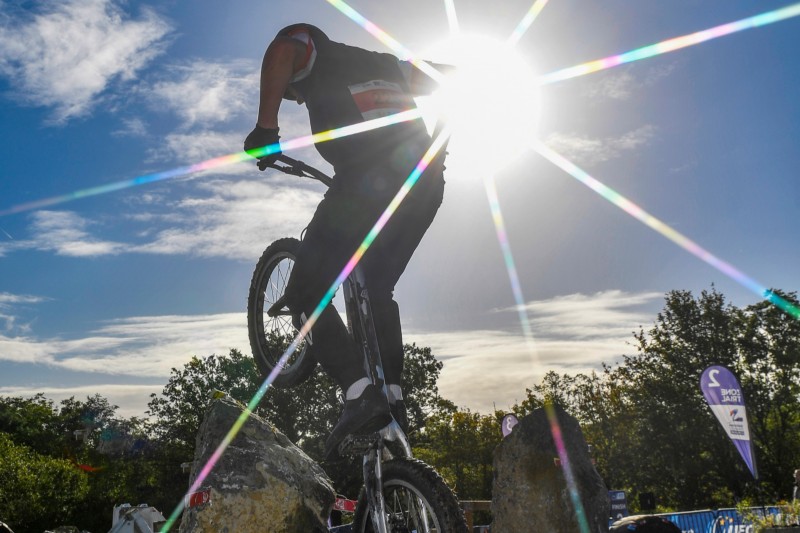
<point>373,484</point>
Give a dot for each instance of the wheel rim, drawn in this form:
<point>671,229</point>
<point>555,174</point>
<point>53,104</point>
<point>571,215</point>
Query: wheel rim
<point>279,331</point>
<point>408,510</point>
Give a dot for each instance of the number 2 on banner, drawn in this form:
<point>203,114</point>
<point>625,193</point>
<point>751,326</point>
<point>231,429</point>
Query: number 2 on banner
<point>712,378</point>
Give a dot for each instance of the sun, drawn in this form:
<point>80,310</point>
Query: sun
<point>490,101</point>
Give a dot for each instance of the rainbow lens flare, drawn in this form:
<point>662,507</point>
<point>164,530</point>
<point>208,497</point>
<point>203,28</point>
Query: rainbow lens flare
<point>527,20</point>
<point>385,38</point>
<point>670,45</point>
<point>552,418</point>
<point>412,179</point>
<point>452,17</point>
<point>681,240</point>
<point>508,258</point>
<point>609,194</point>
<point>218,162</point>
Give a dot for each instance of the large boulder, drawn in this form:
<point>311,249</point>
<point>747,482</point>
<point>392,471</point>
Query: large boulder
<point>531,491</point>
<point>263,482</point>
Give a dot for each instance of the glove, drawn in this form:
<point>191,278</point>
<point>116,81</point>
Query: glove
<point>259,138</point>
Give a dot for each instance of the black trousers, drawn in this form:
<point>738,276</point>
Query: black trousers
<point>342,220</point>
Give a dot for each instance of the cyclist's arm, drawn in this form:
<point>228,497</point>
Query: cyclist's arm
<point>282,59</point>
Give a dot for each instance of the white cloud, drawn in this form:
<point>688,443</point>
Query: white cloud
<point>6,298</point>
<point>206,92</point>
<point>131,399</point>
<point>616,85</point>
<point>482,368</point>
<point>8,302</point>
<point>144,347</point>
<point>230,219</point>
<point>198,146</point>
<point>138,346</point>
<point>579,316</point>
<point>64,233</point>
<point>66,55</point>
<point>131,127</point>
<point>589,151</point>
<point>236,220</point>
<point>621,84</point>
<point>573,333</point>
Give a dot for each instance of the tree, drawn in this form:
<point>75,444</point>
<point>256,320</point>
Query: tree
<point>647,421</point>
<point>460,445</point>
<point>420,373</point>
<point>598,403</point>
<point>680,454</point>
<point>37,492</point>
<point>304,414</point>
<point>769,370</point>
<point>32,422</point>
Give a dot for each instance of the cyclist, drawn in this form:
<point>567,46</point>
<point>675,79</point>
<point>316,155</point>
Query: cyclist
<point>343,85</point>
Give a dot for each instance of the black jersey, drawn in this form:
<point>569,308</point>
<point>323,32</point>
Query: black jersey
<point>344,85</point>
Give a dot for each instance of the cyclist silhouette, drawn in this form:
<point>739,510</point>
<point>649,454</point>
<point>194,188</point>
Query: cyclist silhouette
<point>343,85</point>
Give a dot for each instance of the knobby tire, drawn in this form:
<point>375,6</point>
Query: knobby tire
<point>405,483</point>
<point>270,336</point>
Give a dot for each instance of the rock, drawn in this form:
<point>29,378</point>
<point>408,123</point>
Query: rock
<point>530,491</point>
<point>263,482</point>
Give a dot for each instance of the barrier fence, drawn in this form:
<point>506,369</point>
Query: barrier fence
<point>705,521</point>
<point>716,520</point>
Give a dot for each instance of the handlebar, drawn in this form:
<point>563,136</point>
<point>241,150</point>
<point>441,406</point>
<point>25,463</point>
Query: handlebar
<point>297,168</point>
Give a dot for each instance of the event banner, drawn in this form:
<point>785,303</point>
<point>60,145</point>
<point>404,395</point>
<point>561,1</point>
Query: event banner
<point>724,396</point>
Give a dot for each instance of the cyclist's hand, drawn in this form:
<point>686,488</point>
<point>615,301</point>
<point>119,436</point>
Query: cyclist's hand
<point>259,138</point>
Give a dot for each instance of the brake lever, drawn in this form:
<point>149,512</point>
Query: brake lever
<point>286,169</point>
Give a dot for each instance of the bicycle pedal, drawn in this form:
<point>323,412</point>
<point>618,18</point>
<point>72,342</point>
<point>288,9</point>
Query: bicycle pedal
<point>358,444</point>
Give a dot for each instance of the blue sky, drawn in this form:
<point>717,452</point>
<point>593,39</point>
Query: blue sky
<point>106,294</point>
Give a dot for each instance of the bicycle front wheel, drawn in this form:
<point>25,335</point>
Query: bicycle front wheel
<point>417,499</point>
<point>271,335</point>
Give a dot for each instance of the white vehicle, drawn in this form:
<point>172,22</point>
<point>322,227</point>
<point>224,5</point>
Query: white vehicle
<point>141,519</point>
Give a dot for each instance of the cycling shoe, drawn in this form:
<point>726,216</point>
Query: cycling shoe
<point>366,414</point>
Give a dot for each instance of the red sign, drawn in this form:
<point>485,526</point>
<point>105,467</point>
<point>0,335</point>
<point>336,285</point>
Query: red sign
<point>342,504</point>
<point>198,498</point>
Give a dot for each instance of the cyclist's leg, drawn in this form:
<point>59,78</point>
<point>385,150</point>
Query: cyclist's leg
<point>336,230</point>
<point>321,256</point>
<point>385,262</point>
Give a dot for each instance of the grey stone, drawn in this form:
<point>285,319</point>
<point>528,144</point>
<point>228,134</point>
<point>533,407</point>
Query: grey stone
<point>530,489</point>
<point>263,482</point>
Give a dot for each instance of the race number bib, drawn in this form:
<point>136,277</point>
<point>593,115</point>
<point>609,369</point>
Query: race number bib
<point>378,98</point>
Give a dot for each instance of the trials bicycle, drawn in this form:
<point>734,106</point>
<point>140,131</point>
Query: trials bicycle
<point>400,494</point>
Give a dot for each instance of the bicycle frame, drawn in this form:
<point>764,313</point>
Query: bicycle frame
<point>362,328</point>
<point>359,317</point>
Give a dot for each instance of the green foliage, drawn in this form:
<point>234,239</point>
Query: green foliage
<point>648,423</point>
<point>305,413</point>
<point>37,491</point>
<point>769,368</point>
<point>645,418</point>
<point>33,422</point>
<point>113,458</point>
<point>788,515</point>
<point>460,445</point>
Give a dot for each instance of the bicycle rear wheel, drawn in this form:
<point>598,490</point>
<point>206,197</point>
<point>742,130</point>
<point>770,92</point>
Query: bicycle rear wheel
<point>415,495</point>
<point>271,335</point>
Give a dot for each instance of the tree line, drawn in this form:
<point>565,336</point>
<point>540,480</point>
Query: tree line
<point>644,417</point>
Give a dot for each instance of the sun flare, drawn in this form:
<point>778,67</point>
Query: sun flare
<point>490,100</point>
